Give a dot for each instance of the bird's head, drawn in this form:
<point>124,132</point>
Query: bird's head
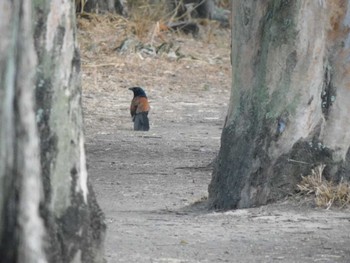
<point>138,92</point>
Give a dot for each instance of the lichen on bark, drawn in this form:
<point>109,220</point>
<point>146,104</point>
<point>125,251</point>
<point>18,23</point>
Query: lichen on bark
<point>69,207</point>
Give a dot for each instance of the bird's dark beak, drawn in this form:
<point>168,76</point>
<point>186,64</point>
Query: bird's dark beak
<point>129,88</point>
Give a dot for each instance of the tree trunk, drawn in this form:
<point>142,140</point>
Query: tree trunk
<point>196,8</point>
<point>289,102</point>
<point>48,211</point>
<point>21,227</point>
<point>72,216</point>
<point>98,6</point>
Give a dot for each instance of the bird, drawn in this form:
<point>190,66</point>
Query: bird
<point>139,109</point>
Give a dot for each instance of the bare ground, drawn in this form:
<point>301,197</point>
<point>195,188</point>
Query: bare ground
<point>152,185</point>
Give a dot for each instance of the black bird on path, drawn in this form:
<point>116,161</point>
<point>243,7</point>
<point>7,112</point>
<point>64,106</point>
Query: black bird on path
<point>139,109</point>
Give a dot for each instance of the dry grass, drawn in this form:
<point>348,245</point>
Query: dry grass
<point>102,34</point>
<point>326,193</point>
<point>143,20</point>
<point>145,15</point>
<point>148,18</point>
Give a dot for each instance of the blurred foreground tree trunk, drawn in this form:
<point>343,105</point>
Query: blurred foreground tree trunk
<point>48,211</point>
<point>289,107</point>
<point>21,227</point>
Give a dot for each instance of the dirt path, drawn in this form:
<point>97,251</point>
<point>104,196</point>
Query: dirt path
<point>146,184</point>
<point>150,184</point>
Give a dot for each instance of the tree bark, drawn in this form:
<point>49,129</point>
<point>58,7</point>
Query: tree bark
<point>21,227</point>
<point>289,102</point>
<point>48,211</point>
<point>103,6</point>
<point>196,8</point>
<point>72,216</point>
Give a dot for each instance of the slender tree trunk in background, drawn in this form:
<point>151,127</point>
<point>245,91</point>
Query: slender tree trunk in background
<point>201,8</point>
<point>102,6</point>
<point>48,211</point>
<point>289,107</point>
<point>21,227</point>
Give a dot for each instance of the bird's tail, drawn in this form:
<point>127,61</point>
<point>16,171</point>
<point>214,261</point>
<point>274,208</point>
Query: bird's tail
<point>141,122</point>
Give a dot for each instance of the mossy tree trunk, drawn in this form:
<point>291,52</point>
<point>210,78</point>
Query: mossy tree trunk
<point>48,211</point>
<point>289,106</point>
<point>72,217</point>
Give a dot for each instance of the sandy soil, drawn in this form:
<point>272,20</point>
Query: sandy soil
<point>152,185</point>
